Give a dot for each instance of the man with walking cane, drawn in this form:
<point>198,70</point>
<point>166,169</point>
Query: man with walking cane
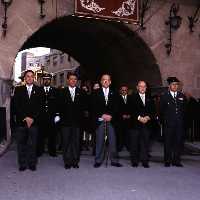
<point>104,109</point>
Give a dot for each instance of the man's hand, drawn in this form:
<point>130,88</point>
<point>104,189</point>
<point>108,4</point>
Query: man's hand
<point>126,116</point>
<point>106,117</point>
<point>29,121</point>
<point>144,120</point>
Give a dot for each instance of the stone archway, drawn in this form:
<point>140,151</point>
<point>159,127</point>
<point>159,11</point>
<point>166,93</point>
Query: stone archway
<point>100,47</point>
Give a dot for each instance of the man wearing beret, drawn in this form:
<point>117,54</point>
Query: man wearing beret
<point>172,111</point>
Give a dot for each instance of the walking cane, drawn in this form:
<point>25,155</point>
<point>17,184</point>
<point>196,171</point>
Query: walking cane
<point>106,152</point>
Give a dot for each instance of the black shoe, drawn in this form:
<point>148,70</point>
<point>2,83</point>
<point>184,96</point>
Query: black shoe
<point>32,168</point>
<point>53,154</point>
<point>167,164</point>
<point>75,166</point>
<point>22,168</point>
<point>97,165</point>
<point>39,155</point>
<point>145,165</point>
<point>179,164</point>
<point>67,166</point>
<point>134,164</point>
<point>115,164</point>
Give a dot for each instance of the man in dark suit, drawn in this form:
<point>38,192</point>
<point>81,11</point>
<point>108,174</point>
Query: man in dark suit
<point>104,104</point>
<point>142,113</point>
<point>71,103</point>
<point>49,99</point>
<point>123,119</point>
<point>172,112</point>
<point>27,99</point>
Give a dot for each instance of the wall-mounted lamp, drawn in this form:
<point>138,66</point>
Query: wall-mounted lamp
<point>174,23</point>
<point>42,2</point>
<point>145,6</point>
<point>194,19</point>
<point>6,4</point>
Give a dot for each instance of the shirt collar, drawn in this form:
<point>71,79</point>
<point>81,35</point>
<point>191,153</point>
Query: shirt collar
<point>29,86</point>
<point>71,88</point>
<point>142,95</point>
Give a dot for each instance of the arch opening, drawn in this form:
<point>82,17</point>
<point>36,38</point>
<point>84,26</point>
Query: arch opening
<point>100,47</point>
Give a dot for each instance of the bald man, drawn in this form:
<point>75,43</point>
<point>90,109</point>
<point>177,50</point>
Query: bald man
<point>104,108</point>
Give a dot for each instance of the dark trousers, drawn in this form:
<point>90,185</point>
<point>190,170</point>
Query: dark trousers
<point>26,145</point>
<point>139,144</point>
<point>173,142</point>
<point>100,142</point>
<point>122,134</point>
<point>71,145</point>
<point>47,131</point>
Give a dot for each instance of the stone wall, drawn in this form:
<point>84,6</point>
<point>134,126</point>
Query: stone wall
<point>24,20</point>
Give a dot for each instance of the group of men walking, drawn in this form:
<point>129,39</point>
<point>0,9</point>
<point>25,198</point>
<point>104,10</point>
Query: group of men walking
<point>39,109</point>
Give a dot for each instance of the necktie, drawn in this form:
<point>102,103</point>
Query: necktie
<point>174,95</point>
<point>72,94</point>
<point>124,97</point>
<point>46,89</point>
<point>143,100</point>
<point>106,95</point>
<point>29,91</point>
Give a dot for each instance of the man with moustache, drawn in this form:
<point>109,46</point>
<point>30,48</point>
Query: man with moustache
<point>123,118</point>
<point>172,112</point>
<point>142,112</point>
<point>104,110</point>
<point>49,108</point>
<point>27,101</point>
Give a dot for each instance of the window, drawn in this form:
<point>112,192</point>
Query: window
<point>54,80</point>
<point>61,58</point>
<point>54,60</point>
<point>62,79</point>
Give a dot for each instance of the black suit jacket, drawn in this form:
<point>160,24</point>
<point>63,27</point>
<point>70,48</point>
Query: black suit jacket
<point>71,113</point>
<point>139,109</point>
<point>25,106</point>
<point>99,106</point>
<point>171,111</point>
<point>49,103</point>
<point>123,108</point>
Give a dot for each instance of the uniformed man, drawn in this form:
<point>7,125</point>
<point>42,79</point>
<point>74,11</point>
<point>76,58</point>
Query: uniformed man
<point>47,115</point>
<point>172,111</point>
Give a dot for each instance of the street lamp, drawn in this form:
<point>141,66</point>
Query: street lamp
<point>6,4</point>
<point>174,23</point>
<point>42,2</point>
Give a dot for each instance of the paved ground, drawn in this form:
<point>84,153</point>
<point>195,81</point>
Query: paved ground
<point>52,182</point>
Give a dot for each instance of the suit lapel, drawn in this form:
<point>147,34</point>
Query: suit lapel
<point>140,100</point>
<point>25,91</point>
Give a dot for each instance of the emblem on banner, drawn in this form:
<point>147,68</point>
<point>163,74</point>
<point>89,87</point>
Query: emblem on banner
<point>127,8</point>
<point>91,5</point>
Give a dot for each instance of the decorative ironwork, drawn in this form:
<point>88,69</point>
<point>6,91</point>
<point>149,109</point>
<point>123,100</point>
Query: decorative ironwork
<point>194,19</point>
<point>174,22</point>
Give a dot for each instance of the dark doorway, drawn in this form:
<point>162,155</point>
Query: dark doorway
<point>100,47</point>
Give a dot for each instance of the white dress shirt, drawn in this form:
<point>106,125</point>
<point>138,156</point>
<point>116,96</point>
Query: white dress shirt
<point>29,89</point>
<point>106,92</point>
<point>72,92</point>
<point>142,96</point>
<point>46,88</point>
<point>174,94</point>
<point>124,98</point>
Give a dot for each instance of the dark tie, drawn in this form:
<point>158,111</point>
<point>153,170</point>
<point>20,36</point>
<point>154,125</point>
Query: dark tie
<point>124,97</point>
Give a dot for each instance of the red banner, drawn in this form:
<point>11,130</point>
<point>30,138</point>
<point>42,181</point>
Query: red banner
<point>123,10</point>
